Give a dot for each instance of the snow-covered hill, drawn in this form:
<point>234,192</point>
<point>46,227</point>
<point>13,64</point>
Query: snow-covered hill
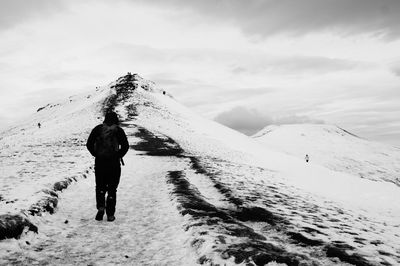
<point>35,159</point>
<point>336,149</point>
<point>192,188</point>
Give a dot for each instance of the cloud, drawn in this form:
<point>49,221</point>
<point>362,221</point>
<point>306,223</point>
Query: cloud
<point>396,69</point>
<point>166,81</point>
<point>239,63</point>
<point>249,92</point>
<point>13,12</point>
<point>4,66</point>
<point>313,64</point>
<point>247,121</point>
<point>239,70</point>
<point>297,119</point>
<point>295,65</point>
<point>61,76</point>
<point>271,17</point>
<point>217,95</point>
<point>250,121</point>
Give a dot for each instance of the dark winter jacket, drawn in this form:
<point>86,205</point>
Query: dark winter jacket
<point>120,134</point>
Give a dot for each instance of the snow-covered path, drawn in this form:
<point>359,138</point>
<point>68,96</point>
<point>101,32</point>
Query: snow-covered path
<point>148,229</point>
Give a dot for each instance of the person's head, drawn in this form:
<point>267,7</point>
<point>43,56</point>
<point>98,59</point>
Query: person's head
<point>111,118</point>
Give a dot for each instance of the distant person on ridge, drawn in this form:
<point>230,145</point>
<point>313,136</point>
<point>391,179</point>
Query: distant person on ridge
<point>39,125</point>
<point>108,144</point>
<point>307,158</point>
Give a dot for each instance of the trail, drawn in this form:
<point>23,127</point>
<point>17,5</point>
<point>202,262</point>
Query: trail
<point>147,231</point>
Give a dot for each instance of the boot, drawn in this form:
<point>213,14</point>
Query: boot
<point>100,214</point>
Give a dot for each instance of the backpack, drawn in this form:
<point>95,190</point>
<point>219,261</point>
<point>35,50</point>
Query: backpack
<point>107,145</point>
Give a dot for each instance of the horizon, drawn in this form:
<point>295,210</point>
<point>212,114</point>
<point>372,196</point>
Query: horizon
<point>245,65</point>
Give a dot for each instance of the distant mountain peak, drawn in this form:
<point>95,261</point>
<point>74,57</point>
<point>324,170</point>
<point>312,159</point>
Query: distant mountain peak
<point>123,89</point>
<point>130,82</point>
<point>309,129</point>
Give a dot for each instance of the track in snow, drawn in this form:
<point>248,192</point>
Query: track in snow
<point>147,231</point>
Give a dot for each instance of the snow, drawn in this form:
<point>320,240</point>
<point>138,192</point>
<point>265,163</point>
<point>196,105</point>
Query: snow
<point>336,149</point>
<point>208,138</point>
<point>377,202</point>
<point>147,228</point>
<point>339,150</point>
<point>34,158</point>
<point>216,196</point>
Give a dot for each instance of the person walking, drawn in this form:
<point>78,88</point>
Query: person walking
<point>108,144</point>
<point>307,158</point>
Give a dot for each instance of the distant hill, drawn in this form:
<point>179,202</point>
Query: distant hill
<point>336,149</point>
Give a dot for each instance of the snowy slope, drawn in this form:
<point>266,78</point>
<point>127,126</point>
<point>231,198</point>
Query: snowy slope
<point>336,149</point>
<point>236,201</point>
<point>250,176</point>
<point>33,159</point>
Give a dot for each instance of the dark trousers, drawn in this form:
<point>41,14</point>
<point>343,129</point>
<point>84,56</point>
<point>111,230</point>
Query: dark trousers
<point>108,173</point>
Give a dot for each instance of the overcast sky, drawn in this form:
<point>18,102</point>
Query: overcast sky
<point>246,64</point>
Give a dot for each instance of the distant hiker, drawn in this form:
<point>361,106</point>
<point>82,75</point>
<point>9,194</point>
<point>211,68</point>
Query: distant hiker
<point>39,125</point>
<point>108,143</point>
<point>307,158</point>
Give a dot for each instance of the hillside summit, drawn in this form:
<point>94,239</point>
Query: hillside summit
<point>192,192</point>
